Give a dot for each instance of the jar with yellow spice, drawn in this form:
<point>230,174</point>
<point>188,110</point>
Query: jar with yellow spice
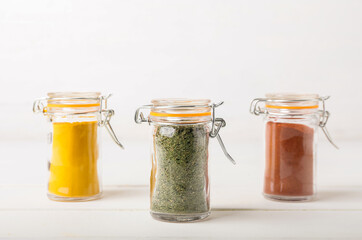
<point>74,137</point>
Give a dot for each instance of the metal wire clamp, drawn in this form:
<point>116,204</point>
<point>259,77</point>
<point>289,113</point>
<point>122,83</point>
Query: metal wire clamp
<point>216,125</point>
<point>105,115</point>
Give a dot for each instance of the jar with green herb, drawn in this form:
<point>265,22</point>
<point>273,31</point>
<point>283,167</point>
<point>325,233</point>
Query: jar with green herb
<point>179,182</point>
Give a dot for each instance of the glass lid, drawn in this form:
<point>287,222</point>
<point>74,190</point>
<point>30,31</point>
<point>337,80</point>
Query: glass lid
<point>292,100</point>
<point>180,109</point>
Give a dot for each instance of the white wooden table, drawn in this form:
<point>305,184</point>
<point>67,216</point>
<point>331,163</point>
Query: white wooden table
<point>238,208</point>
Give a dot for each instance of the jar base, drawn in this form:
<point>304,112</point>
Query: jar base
<point>73,199</point>
<point>179,217</point>
<point>288,198</point>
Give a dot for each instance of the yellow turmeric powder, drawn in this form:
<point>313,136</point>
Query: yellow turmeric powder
<point>73,167</point>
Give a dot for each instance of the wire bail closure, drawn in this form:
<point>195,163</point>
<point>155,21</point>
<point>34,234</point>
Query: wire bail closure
<point>216,123</point>
<point>105,118</point>
<point>139,116</point>
<point>104,113</point>
<point>38,106</point>
<point>323,113</point>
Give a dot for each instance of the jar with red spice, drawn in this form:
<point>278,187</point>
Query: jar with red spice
<point>291,124</point>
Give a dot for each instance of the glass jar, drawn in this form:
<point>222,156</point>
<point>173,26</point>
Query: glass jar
<point>179,182</point>
<point>291,124</point>
<point>74,140</point>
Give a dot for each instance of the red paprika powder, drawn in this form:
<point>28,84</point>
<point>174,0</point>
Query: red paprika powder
<point>289,159</point>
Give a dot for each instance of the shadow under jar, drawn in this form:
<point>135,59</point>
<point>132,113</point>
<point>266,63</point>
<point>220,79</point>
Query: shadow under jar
<point>291,124</point>
<point>74,139</point>
<point>179,182</point>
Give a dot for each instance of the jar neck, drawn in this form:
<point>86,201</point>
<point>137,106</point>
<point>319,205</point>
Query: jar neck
<point>291,112</point>
<point>180,120</point>
<point>88,117</point>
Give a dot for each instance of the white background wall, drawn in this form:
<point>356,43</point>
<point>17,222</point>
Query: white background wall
<point>139,50</point>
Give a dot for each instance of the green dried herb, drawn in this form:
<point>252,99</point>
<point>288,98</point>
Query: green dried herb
<point>179,184</point>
